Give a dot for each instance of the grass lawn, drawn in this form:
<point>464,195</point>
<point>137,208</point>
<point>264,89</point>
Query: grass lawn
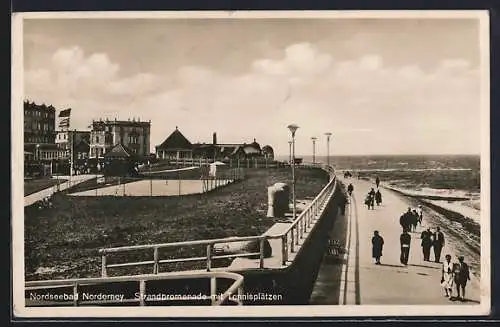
<point>36,185</point>
<point>68,236</point>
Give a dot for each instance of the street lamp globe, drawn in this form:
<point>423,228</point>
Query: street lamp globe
<point>293,128</point>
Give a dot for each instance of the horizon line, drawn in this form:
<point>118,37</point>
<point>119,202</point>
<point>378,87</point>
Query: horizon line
<point>384,154</point>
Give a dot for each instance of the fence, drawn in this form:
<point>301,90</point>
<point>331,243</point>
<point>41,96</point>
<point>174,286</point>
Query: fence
<point>74,284</point>
<point>232,163</point>
<point>162,183</point>
<point>294,233</point>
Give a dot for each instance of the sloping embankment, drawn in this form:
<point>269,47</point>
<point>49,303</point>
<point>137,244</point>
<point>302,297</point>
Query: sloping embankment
<point>467,223</point>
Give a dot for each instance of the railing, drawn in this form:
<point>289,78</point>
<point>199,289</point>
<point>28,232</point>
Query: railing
<point>142,298</point>
<point>296,232</point>
<point>232,163</point>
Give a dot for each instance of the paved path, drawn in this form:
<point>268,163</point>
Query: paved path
<point>32,198</point>
<point>363,282</point>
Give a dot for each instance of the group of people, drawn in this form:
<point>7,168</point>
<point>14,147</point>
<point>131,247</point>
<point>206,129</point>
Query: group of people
<point>454,274</point>
<point>373,197</point>
<point>430,239</point>
<point>411,218</point>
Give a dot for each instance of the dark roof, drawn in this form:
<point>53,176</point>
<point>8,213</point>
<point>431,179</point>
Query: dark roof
<point>82,146</point>
<point>119,151</point>
<point>255,144</point>
<point>175,141</point>
<point>267,148</point>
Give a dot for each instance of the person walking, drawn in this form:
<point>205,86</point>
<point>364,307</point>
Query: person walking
<point>461,276</point>
<point>370,199</point>
<point>377,181</point>
<point>426,243</point>
<point>405,220</point>
<point>414,220</point>
<point>377,246</point>
<point>420,214</point>
<point>378,197</point>
<point>405,241</point>
<point>438,244</point>
<point>447,276</point>
<point>350,189</point>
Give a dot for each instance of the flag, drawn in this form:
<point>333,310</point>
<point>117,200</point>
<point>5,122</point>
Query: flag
<point>65,113</point>
<point>64,122</point>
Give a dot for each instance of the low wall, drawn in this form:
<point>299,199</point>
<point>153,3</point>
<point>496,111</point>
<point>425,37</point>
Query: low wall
<point>294,284</point>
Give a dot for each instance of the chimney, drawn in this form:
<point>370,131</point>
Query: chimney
<point>215,138</point>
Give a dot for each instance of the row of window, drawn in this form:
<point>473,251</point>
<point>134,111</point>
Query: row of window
<point>37,126</point>
<point>100,152</point>
<point>60,155</point>
<point>131,139</point>
<point>38,139</point>
<point>48,155</point>
<point>36,113</point>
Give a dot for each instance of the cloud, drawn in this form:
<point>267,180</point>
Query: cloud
<point>355,99</point>
<point>299,59</point>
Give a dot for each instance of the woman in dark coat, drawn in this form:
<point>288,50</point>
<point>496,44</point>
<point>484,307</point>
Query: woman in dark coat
<point>377,245</point>
<point>378,197</point>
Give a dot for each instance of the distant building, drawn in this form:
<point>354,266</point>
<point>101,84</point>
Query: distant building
<point>120,161</point>
<point>177,146</point>
<point>133,134</point>
<point>39,132</point>
<point>80,141</point>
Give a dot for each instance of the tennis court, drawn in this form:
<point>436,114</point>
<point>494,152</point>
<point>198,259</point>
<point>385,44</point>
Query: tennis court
<point>157,188</point>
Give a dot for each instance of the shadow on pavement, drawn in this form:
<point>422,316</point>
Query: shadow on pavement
<point>388,265</point>
<point>423,266</point>
<point>455,299</point>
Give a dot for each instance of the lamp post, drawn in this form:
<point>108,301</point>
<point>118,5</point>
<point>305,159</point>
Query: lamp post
<point>292,129</point>
<point>314,148</point>
<point>328,147</point>
<point>37,152</point>
<point>290,152</point>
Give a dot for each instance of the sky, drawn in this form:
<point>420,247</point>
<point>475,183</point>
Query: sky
<point>380,86</point>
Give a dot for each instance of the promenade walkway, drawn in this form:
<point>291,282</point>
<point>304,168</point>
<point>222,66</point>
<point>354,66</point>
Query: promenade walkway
<point>32,198</point>
<point>363,282</point>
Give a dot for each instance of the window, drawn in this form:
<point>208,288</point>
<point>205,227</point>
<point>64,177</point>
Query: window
<point>133,139</point>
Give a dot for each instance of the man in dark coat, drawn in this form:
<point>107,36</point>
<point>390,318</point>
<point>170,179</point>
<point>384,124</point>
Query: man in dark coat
<point>350,189</point>
<point>377,181</point>
<point>405,240</point>
<point>426,238</point>
<point>405,220</point>
<point>371,195</point>
<point>414,220</point>
<point>377,245</point>
<point>438,244</point>
<point>462,275</point>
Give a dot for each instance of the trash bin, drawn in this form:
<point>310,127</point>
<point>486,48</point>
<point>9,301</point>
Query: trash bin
<point>278,200</point>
